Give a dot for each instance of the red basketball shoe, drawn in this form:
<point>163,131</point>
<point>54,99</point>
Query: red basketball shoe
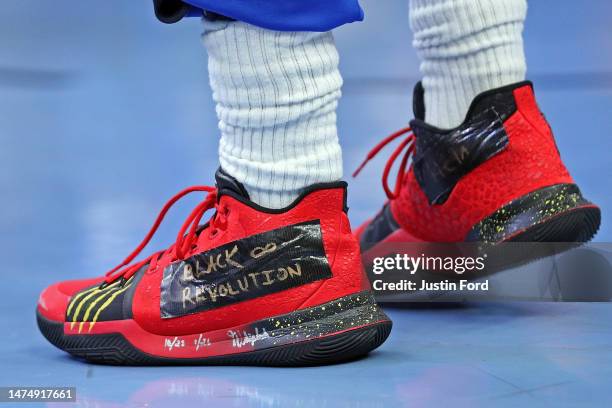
<point>497,177</point>
<point>251,286</point>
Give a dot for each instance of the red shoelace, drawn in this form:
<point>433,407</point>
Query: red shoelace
<point>185,240</point>
<point>187,235</point>
<point>407,144</point>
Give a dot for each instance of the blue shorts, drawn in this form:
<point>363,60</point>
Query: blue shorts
<point>281,15</point>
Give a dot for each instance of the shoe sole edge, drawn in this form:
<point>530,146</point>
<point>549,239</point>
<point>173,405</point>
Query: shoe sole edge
<point>556,213</point>
<point>336,347</point>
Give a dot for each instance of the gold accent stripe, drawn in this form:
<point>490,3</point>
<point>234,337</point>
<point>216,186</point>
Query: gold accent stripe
<point>77,297</point>
<point>92,305</point>
<point>108,302</point>
<point>86,298</point>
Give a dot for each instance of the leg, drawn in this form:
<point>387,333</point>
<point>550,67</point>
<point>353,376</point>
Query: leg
<point>255,283</point>
<point>466,47</point>
<point>484,164</point>
<point>276,95</point>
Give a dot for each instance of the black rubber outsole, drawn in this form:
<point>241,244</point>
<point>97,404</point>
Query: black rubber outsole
<point>115,349</point>
<point>578,226</point>
<point>544,223</point>
<point>560,233</point>
<point>556,216</point>
<point>556,213</point>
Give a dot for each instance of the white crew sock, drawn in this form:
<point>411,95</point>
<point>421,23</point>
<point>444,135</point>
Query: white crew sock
<point>466,47</point>
<point>276,95</point>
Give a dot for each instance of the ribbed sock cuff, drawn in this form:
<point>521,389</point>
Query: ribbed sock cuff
<point>466,47</point>
<point>276,95</point>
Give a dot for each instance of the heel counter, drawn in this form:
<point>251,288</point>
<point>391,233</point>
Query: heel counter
<point>527,105</point>
<point>354,271</point>
<point>344,256</point>
<point>539,134</point>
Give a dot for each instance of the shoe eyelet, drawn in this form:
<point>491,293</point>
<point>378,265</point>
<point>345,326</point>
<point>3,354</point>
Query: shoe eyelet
<point>213,233</point>
<point>151,271</point>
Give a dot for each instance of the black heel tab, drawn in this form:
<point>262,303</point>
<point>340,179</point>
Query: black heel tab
<point>500,98</point>
<point>443,156</point>
<point>228,184</point>
<point>418,101</point>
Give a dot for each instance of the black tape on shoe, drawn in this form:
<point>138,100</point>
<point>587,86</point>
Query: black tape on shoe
<point>245,269</point>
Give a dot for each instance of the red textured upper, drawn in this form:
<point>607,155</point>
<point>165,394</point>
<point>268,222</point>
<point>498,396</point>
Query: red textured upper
<point>54,299</point>
<point>341,248</point>
<point>530,161</point>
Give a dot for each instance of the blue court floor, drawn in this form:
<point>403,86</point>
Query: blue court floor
<point>105,113</point>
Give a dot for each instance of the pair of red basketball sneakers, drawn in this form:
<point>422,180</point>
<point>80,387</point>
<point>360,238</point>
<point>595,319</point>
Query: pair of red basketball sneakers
<point>254,285</point>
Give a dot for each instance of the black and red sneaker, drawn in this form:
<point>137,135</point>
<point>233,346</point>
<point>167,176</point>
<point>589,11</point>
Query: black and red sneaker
<point>251,286</point>
<point>497,177</point>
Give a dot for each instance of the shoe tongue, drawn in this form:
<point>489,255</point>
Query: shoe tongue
<point>418,101</point>
<point>228,184</point>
